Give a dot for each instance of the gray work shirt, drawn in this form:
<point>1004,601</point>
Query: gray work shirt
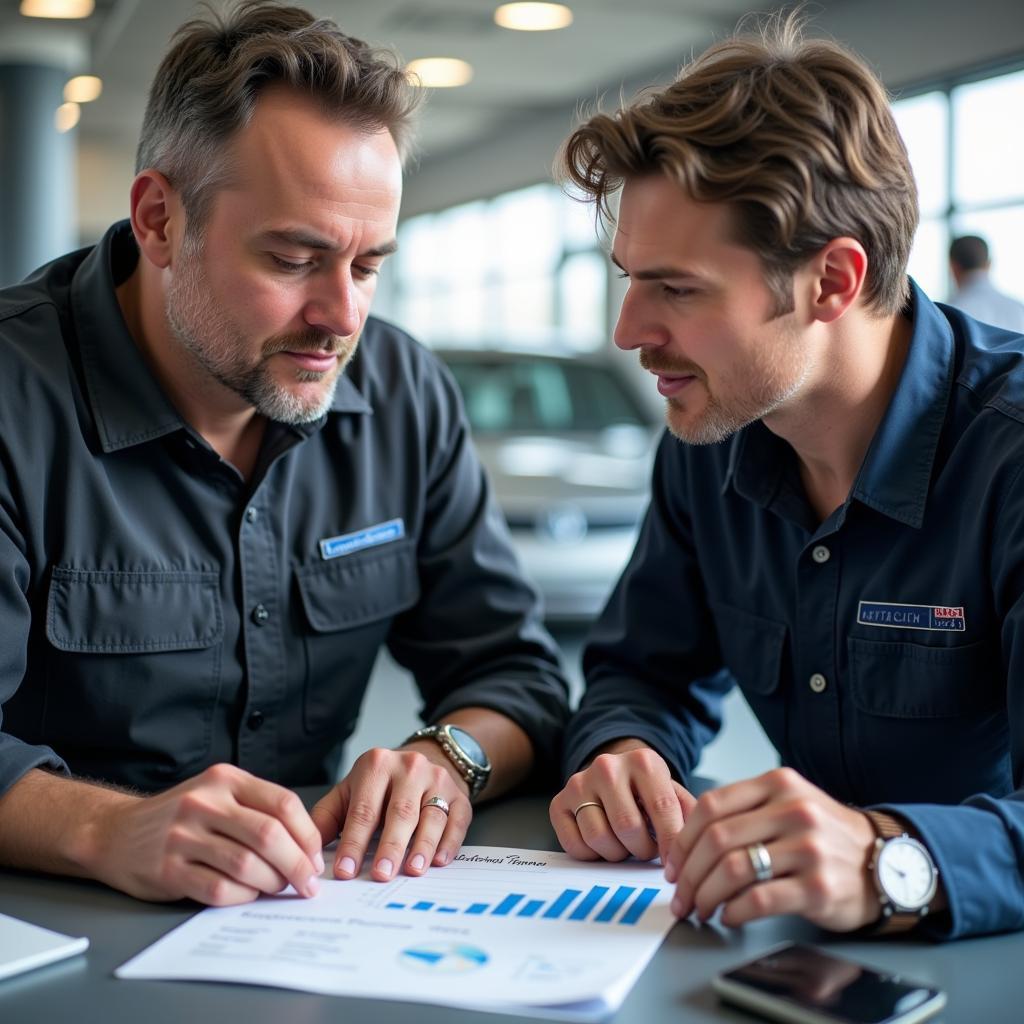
<point>159,613</point>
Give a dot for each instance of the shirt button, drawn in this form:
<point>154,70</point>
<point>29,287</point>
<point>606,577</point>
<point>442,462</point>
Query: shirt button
<point>255,720</point>
<point>260,615</point>
<point>252,514</point>
<point>818,682</point>
<point>821,554</point>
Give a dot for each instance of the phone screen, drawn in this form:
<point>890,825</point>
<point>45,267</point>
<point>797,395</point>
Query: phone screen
<point>838,989</point>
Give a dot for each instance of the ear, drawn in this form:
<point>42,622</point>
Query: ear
<point>157,217</point>
<point>839,270</point>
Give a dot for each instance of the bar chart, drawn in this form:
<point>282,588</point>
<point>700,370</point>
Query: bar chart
<point>600,904</point>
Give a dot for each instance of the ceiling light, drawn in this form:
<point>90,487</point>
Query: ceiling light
<point>57,8</point>
<point>67,116</point>
<point>83,89</point>
<point>533,17</point>
<point>439,72</point>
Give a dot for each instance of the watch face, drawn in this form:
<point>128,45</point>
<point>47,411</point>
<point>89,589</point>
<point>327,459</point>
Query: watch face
<point>469,746</point>
<point>906,873</point>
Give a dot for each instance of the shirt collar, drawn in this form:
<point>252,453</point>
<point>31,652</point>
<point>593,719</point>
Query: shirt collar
<point>896,474</point>
<point>127,401</point>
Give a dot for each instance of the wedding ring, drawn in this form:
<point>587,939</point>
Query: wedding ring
<point>437,801</point>
<point>760,861</point>
<point>586,803</point>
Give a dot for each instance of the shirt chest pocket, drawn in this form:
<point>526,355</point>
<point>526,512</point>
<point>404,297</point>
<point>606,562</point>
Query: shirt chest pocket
<point>908,680</point>
<point>752,648</point>
<point>348,605</point>
<point>133,668</point>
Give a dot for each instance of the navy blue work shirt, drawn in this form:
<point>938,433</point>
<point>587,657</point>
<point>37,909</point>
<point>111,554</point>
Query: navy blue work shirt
<point>882,650</point>
<point>159,613</point>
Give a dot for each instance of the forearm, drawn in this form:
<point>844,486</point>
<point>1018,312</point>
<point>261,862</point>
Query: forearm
<point>52,823</point>
<point>506,744</point>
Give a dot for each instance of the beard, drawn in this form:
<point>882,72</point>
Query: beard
<point>221,349</point>
<point>746,395</point>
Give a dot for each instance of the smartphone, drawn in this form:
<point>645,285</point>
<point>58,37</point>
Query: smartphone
<point>804,985</point>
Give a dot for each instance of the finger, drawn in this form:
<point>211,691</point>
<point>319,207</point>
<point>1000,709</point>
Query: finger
<point>566,830</point>
<point>368,791</point>
<point>426,838</point>
<point>766,899</point>
<point>459,817</point>
<point>286,808</point>
<point>234,861</point>
<point>598,834</point>
<point>266,837</point>
<point>735,872</point>
<point>329,813</point>
<point>401,818</point>
<point>662,808</point>
<point>210,887</point>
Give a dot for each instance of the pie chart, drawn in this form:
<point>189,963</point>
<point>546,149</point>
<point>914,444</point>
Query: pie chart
<point>442,958</point>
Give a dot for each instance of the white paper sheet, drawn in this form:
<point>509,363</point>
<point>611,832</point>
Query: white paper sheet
<point>508,930</point>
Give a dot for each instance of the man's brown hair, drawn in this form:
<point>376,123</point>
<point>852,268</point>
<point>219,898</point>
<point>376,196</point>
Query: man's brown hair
<point>207,86</point>
<point>795,134</point>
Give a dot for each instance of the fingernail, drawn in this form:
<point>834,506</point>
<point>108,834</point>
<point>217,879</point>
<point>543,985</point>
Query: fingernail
<point>677,906</point>
<point>417,862</point>
<point>385,867</point>
<point>442,857</point>
<point>347,866</point>
<point>670,873</point>
<point>312,886</point>
<point>318,862</point>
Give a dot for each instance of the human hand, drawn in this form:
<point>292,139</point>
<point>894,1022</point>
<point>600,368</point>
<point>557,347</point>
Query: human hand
<point>389,789</point>
<point>625,803</point>
<point>818,851</point>
<point>220,838</point>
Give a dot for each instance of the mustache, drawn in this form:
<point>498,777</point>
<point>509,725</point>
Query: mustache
<point>310,342</point>
<point>676,368</point>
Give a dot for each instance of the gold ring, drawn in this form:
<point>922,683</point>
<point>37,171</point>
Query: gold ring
<point>586,803</point>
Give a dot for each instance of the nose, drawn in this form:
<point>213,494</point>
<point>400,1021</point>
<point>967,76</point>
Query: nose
<point>336,306</point>
<point>635,327</point>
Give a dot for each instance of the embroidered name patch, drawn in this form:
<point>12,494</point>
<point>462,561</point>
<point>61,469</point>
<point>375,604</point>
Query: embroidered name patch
<point>911,616</point>
<point>371,537</point>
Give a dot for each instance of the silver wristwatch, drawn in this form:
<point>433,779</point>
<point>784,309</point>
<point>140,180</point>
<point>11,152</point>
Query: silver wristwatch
<point>462,750</point>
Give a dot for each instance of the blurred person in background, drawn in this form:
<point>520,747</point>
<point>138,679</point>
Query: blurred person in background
<point>975,294</point>
<point>836,520</point>
<point>224,486</point>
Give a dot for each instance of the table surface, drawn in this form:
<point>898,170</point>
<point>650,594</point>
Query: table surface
<point>984,977</point>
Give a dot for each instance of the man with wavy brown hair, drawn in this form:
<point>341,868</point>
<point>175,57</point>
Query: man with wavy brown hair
<point>224,486</point>
<point>839,532</point>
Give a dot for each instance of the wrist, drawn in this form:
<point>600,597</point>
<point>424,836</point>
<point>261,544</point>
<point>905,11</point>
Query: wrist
<point>91,847</point>
<point>619,746</point>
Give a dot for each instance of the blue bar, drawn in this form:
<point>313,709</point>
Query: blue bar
<point>588,903</point>
<point>422,905</point>
<point>638,906</point>
<point>612,907</point>
<point>394,906</point>
<point>507,903</point>
<point>531,908</point>
<point>559,906</point>
<point>476,908</point>
<point>447,910</point>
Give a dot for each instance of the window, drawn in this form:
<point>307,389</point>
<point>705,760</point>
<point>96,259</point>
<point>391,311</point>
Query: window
<point>968,160</point>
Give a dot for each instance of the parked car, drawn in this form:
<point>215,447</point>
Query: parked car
<point>568,442</point>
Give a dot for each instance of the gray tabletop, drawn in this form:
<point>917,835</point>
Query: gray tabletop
<point>984,978</point>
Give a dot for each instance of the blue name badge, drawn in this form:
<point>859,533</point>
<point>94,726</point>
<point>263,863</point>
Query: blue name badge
<point>371,537</point>
<point>911,616</point>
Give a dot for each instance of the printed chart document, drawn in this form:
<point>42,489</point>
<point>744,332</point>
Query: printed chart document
<point>513,931</point>
<point>24,946</point>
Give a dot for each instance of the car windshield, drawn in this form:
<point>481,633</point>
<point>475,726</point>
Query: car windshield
<point>542,395</point>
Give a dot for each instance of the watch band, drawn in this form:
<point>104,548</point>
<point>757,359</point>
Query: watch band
<point>892,921</point>
<point>474,775</point>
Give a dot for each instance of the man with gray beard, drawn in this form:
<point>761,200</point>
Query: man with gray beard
<point>224,487</point>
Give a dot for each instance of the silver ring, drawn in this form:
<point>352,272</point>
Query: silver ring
<point>586,803</point>
<point>439,802</point>
<point>761,862</point>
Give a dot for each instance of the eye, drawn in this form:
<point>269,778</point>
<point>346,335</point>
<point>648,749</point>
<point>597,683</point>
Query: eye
<point>366,273</point>
<point>676,293</point>
<point>290,266</point>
